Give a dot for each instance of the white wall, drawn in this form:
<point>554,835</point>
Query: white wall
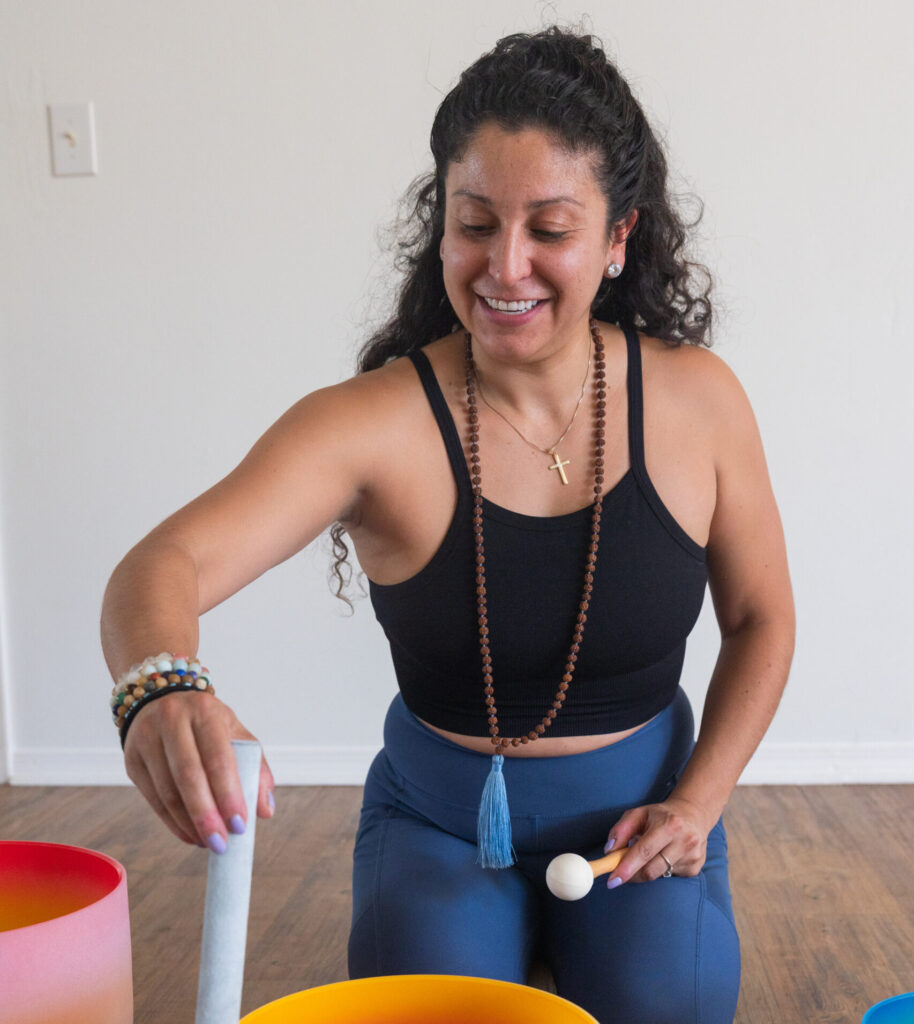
<point>158,317</point>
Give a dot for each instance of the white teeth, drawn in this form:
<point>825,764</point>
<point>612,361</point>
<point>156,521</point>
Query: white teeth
<point>511,307</point>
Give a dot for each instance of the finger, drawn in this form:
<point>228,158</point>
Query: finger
<point>641,862</point>
<point>266,803</point>
<point>143,782</point>
<point>145,751</point>
<point>654,869</point>
<point>626,828</point>
<point>214,746</point>
<point>617,877</point>
<point>164,793</point>
<point>192,785</point>
<point>639,855</point>
<point>147,765</point>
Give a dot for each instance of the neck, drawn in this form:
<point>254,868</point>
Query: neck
<point>540,388</point>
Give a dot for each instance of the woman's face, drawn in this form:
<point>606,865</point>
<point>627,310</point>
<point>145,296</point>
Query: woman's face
<point>526,224</point>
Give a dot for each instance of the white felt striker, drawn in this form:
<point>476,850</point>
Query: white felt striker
<point>570,877</point>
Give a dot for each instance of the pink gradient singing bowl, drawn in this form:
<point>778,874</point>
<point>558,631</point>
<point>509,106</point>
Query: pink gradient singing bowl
<point>64,936</point>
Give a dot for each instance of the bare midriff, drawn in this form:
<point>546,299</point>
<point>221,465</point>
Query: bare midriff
<point>546,746</point>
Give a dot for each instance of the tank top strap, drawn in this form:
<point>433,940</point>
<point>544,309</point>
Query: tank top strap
<point>454,446</point>
<point>635,406</point>
<point>444,419</point>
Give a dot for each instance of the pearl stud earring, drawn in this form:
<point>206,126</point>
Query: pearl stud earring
<point>613,270</point>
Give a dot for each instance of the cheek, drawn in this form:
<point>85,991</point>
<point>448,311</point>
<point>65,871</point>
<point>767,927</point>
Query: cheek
<point>579,271</point>
<point>459,265</point>
<point>457,255</point>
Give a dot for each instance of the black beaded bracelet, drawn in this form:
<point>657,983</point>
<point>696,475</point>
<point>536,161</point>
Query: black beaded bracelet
<point>148,699</point>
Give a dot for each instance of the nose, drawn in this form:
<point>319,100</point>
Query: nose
<point>509,258</point>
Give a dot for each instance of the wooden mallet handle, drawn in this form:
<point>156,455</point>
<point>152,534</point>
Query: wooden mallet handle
<point>610,862</point>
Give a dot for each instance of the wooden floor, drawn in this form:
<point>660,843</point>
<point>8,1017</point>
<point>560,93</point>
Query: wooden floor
<point>822,878</point>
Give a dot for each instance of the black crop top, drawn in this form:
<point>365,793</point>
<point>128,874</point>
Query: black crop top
<point>648,590</point>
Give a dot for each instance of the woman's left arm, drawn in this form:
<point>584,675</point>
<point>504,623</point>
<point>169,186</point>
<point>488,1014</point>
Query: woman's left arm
<point>750,586</point>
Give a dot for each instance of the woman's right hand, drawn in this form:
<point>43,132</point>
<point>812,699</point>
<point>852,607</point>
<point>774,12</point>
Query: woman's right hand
<point>179,755</point>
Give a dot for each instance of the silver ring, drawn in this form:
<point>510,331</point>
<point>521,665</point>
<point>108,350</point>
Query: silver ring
<point>669,868</point>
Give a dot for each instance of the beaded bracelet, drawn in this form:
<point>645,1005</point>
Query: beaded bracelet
<point>153,678</point>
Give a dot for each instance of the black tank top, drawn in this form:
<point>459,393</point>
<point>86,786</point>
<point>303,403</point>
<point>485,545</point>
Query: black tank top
<point>648,590</point>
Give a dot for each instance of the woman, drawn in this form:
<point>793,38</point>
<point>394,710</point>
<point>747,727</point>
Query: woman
<point>538,495</point>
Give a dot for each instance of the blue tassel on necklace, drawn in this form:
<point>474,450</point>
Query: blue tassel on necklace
<point>494,826</point>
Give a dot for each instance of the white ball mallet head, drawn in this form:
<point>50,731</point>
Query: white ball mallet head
<point>570,877</point>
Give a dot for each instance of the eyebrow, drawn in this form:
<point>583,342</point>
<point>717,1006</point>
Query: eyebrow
<point>535,205</point>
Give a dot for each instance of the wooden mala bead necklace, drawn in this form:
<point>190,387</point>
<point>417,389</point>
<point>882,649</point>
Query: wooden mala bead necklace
<point>494,826</point>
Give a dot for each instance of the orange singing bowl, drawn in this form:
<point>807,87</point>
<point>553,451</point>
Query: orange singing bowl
<point>421,999</point>
<point>64,936</point>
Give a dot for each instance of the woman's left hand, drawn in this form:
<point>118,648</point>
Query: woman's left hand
<point>672,834</point>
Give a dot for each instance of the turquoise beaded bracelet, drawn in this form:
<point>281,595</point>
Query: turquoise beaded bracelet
<point>151,679</point>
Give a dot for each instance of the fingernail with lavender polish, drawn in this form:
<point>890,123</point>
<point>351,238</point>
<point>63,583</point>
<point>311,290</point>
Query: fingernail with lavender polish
<point>609,845</point>
<point>271,800</point>
<point>236,825</point>
<point>613,883</point>
<point>216,843</point>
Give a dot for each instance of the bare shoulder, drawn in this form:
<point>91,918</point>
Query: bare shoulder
<point>702,386</point>
<point>358,417</point>
<point>693,369</point>
<point>367,398</point>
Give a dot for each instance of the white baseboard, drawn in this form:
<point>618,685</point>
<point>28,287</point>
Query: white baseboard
<point>55,766</point>
<point>785,764</point>
<point>811,764</point>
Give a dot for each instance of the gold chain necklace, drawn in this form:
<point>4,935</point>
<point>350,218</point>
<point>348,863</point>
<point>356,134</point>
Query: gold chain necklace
<point>559,463</point>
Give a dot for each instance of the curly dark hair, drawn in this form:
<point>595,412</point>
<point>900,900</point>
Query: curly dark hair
<point>562,83</point>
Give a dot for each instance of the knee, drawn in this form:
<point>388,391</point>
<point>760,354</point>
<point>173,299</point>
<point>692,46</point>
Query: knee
<point>673,958</point>
<point>423,906</point>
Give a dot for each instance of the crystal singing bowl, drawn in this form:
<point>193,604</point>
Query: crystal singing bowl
<point>64,936</point>
<point>897,1010</point>
<point>420,999</point>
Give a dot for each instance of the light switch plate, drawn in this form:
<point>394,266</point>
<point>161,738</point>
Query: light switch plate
<point>72,128</point>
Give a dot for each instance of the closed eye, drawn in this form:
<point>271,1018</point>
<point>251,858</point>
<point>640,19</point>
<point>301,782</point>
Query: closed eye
<point>479,229</point>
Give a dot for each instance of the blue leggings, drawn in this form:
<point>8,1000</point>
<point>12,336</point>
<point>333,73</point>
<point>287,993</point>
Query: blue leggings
<point>661,952</point>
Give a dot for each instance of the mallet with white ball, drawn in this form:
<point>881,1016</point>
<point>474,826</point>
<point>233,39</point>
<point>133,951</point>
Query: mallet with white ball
<point>570,877</point>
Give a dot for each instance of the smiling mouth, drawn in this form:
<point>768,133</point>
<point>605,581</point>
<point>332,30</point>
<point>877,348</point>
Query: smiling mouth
<point>522,306</point>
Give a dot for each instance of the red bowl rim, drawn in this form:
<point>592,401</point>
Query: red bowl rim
<point>87,908</point>
<point>116,864</point>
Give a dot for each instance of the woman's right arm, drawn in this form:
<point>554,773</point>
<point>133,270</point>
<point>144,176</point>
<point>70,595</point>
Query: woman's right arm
<point>305,473</point>
<point>178,751</point>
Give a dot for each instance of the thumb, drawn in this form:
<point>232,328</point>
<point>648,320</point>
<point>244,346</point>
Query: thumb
<point>266,804</point>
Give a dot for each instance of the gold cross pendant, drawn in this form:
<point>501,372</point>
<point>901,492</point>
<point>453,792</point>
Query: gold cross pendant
<point>559,465</point>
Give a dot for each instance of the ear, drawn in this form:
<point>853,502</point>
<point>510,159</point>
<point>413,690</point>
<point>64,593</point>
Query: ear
<point>615,251</point>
